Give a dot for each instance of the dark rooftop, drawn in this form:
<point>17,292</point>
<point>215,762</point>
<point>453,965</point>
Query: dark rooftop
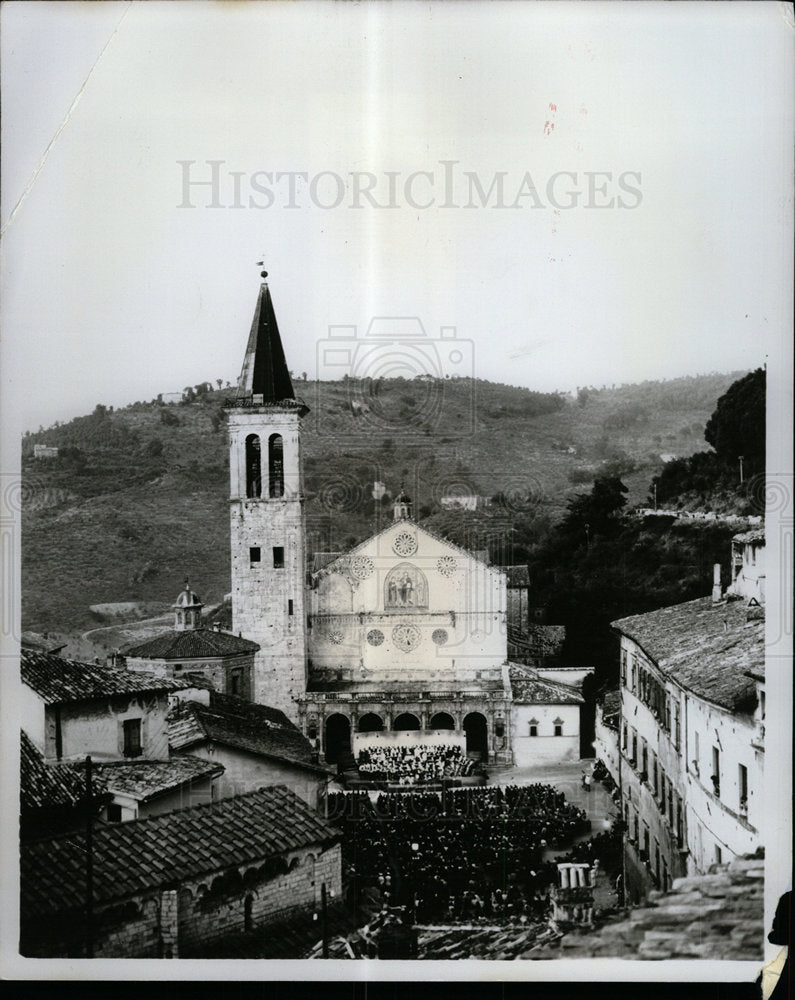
<point>715,916</point>
<point>164,851</point>
<point>530,688</point>
<point>146,779</point>
<point>707,648</point>
<point>47,786</point>
<point>191,644</point>
<point>756,536</point>
<point>234,722</point>
<point>58,681</point>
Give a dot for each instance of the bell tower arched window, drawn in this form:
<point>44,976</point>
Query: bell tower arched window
<point>275,466</point>
<point>253,467</point>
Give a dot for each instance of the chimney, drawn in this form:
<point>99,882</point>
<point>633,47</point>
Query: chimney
<point>717,594</point>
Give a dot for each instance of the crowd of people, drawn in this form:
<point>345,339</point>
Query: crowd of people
<point>414,765</point>
<point>473,854</point>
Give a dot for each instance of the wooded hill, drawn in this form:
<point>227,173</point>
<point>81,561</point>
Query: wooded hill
<point>138,497</point>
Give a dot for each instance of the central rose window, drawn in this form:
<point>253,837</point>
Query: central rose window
<point>406,637</point>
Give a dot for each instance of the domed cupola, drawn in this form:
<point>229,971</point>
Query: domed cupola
<point>187,610</point>
<point>402,505</point>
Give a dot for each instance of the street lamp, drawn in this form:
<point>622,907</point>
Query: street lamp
<point>414,849</point>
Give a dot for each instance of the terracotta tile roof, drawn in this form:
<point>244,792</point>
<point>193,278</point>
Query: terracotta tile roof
<point>494,943</point>
<point>32,640</point>
<point>529,688</point>
<point>58,681</point>
<point>191,644</point>
<point>47,786</point>
<point>144,780</point>
<point>716,916</point>
<point>234,722</point>
<point>611,706</point>
<point>707,648</point>
<point>167,850</point>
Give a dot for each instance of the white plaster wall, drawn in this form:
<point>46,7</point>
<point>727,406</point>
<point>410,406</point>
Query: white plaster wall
<point>96,727</point>
<point>545,748</point>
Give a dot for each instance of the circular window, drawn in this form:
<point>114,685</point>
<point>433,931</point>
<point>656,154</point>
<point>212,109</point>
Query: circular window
<point>362,567</point>
<point>405,544</point>
<point>375,637</point>
<point>439,636</point>
<point>335,637</point>
<point>446,565</point>
<point>406,637</point>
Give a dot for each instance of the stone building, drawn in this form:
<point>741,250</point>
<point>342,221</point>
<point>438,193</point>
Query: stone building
<point>255,745</point>
<point>179,881</point>
<point>225,661</point>
<point>692,736</point>
<point>404,632</point>
<point>71,709</point>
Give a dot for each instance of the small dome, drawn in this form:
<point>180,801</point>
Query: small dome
<point>187,598</point>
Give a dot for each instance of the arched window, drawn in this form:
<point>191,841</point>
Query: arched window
<point>405,587</point>
<point>253,467</point>
<point>276,466</point>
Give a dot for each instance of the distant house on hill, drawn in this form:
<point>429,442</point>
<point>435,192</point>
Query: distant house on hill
<point>257,745</point>
<point>225,661</point>
<point>172,397</point>
<point>44,451</point>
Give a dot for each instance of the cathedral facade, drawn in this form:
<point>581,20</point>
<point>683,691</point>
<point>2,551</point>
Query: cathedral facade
<point>405,632</point>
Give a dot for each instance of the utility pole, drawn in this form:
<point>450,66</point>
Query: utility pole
<point>324,919</point>
<point>89,863</point>
<point>654,487</point>
<point>740,457</point>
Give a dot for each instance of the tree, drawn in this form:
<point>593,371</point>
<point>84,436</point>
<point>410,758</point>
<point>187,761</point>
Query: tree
<point>219,382</point>
<point>737,426</point>
<point>598,508</point>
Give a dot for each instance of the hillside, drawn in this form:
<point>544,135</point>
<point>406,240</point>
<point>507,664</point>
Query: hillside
<point>137,497</point>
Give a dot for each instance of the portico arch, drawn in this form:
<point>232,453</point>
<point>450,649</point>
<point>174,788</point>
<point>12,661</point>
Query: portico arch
<point>406,721</point>
<point>476,730</point>
<point>370,723</point>
<point>442,720</point>
<point>338,737</point>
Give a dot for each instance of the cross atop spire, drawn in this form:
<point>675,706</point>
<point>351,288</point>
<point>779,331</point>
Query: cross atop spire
<point>265,371</point>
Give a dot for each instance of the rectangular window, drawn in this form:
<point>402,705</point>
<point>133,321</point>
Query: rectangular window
<point>624,667</point>
<point>665,881</point>
<point>676,726</point>
<point>236,681</point>
<point>742,782</point>
<point>637,835</point>
<point>718,854</point>
<point>634,748</point>
<point>624,737</point>
<point>645,759</point>
<point>715,776</point>
<point>657,859</point>
<point>646,842</point>
<point>667,715</point>
<point>290,606</point>
<point>634,677</point>
<point>132,737</point>
<point>278,557</point>
<point>254,554</point>
<point>533,729</point>
<point>654,777</point>
<point>670,803</point>
<point>114,813</point>
<point>680,826</point>
<point>558,729</point>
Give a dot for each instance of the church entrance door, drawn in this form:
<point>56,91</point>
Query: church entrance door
<point>476,734</point>
<point>338,737</point>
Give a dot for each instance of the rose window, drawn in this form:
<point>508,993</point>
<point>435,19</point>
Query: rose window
<point>335,637</point>
<point>446,565</point>
<point>362,567</point>
<point>375,637</point>
<point>406,637</point>
<point>439,636</point>
<point>405,544</point>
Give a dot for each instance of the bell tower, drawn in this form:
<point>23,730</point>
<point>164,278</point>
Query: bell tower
<point>267,516</point>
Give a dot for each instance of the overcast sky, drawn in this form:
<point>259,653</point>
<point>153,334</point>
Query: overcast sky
<point>638,226</point>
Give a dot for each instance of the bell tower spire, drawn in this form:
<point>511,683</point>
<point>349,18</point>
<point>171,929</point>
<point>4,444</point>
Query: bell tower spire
<point>267,517</point>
